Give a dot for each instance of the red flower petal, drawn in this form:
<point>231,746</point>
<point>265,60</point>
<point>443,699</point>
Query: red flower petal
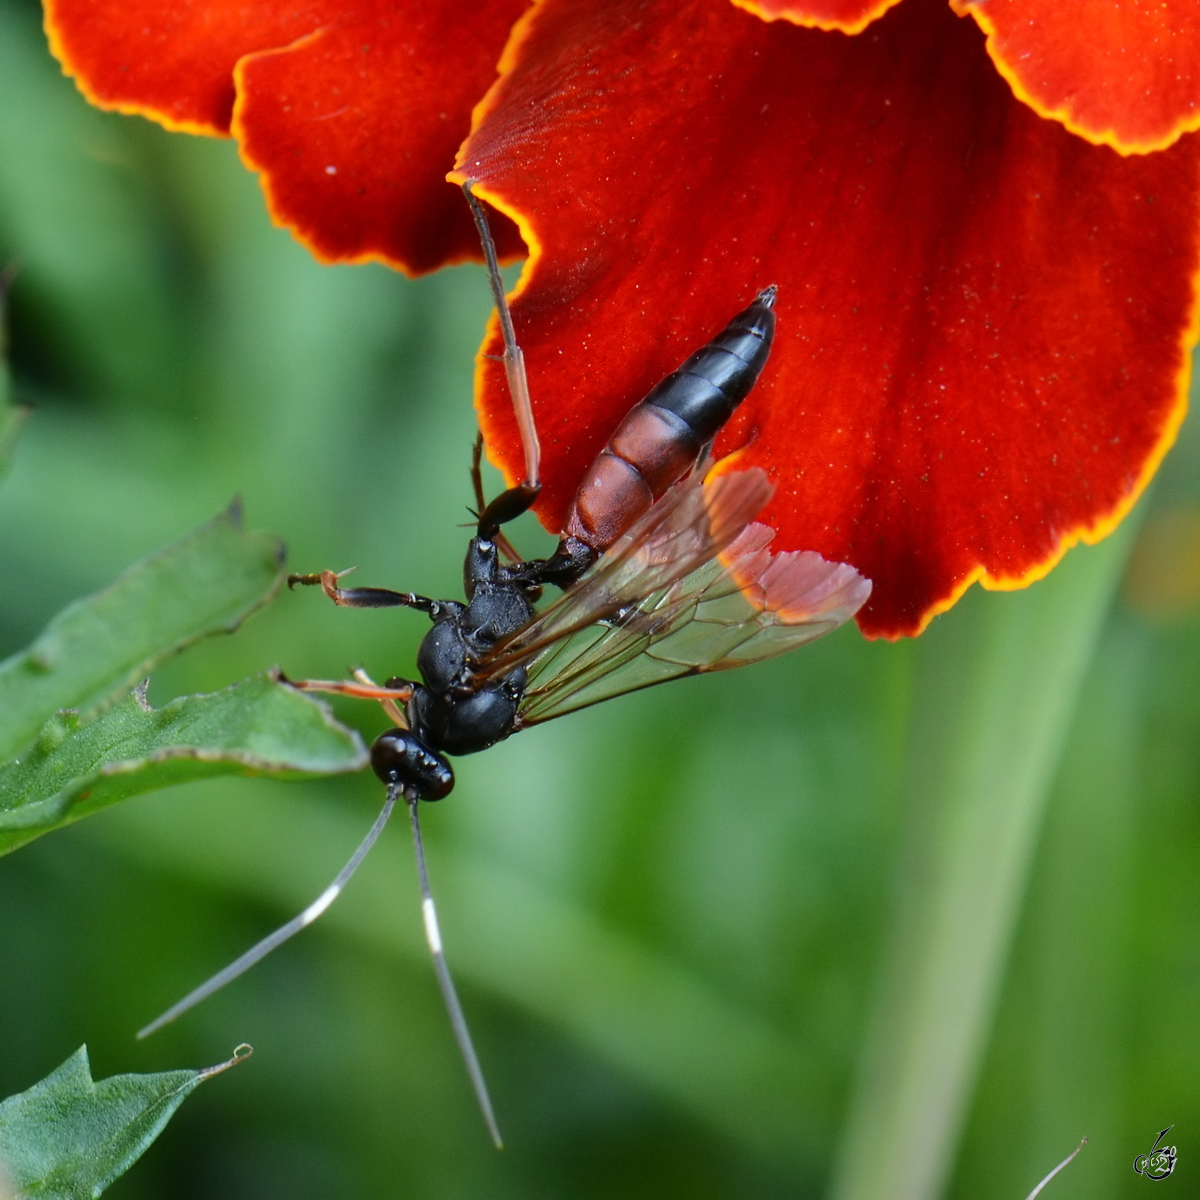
<point>359,86</point>
<point>1121,74</point>
<point>353,129</point>
<point>172,62</point>
<point>849,16</point>
<point>983,321</point>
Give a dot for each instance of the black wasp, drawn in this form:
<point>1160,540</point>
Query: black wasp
<point>663,573</point>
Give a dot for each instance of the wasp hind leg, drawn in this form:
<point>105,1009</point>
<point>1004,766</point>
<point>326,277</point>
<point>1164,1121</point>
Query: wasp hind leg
<point>512,503</point>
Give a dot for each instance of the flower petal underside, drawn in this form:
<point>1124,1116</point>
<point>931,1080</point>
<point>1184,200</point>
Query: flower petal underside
<point>984,321</point>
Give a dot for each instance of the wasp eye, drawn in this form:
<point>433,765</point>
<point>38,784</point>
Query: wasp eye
<point>398,758</point>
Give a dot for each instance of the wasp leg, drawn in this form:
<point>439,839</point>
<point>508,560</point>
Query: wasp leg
<point>364,688</point>
<point>477,480</point>
<point>477,473</point>
<point>358,689</point>
<point>389,705</point>
<point>514,360</point>
<point>364,597</point>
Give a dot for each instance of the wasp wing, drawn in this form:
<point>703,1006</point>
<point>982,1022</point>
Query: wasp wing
<point>690,588</point>
<point>744,606</point>
<point>684,529</point>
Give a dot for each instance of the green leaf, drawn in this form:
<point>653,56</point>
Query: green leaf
<point>258,727</point>
<point>68,1137</point>
<point>209,581</point>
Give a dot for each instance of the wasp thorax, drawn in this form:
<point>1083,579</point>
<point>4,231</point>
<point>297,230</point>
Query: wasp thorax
<point>400,759</point>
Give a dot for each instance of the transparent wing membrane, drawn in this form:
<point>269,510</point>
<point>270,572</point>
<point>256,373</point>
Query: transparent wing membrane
<point>692,587</point>
<point>683,530</point>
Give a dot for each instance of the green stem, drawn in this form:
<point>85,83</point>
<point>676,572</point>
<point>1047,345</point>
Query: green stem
<point>998,683</point>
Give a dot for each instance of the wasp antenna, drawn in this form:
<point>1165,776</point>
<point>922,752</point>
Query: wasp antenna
<point>259,952</point>
<point>1037,1191</point>
<point>514,360</point>
<point>458,1021</point>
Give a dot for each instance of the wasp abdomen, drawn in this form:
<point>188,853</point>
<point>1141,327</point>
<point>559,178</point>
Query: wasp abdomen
<point>712,382</point>
<point>661,438</point>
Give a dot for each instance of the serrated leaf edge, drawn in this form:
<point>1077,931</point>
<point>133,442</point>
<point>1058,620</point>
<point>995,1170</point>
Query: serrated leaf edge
<point>51,810</point>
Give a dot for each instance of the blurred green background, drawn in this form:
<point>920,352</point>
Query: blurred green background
<point>667,915</point>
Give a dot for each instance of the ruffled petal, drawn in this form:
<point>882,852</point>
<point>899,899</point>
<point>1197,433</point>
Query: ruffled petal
<point>984,322</point>
<point>848,16</point>
<point>351,109</point>
<point>1121,74</point>
<point>353,129</point>
<point>171,62</point>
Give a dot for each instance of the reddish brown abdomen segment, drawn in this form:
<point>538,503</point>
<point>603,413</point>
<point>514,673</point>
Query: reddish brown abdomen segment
<point>662,436</point>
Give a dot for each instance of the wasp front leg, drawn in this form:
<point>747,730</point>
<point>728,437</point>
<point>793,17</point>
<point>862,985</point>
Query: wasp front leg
<point>389,697</point>
<point>367,597</point>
